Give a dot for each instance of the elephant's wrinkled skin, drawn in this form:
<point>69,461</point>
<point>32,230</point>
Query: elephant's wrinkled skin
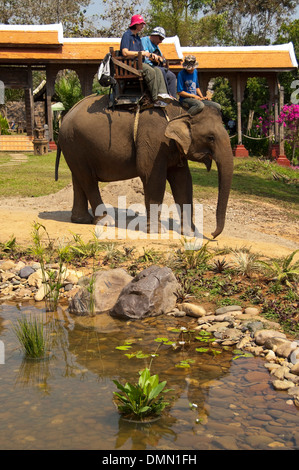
<point>98,145</point>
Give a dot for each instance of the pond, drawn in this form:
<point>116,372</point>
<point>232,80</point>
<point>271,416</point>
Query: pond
<point>220,401</point>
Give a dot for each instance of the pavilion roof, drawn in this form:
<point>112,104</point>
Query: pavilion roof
<point>42,44</point>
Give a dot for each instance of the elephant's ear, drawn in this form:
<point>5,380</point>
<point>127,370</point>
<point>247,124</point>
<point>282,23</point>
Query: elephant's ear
<point>179,130</point>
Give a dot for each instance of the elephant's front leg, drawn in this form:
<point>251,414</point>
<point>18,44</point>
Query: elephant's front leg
<point>180,180</point>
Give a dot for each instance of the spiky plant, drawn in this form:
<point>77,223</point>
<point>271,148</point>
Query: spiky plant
<point>245,263</point>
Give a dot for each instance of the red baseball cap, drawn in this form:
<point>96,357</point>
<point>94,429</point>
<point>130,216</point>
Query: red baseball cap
<point>136,19</point>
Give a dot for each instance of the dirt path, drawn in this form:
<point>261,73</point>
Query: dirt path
<point>264,228</point>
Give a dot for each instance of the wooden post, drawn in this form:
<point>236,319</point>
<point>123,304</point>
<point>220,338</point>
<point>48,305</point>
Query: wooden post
<point>29,105</point>
<point>239,110</point>
<point>281,130</point>
<point>50,80</point>
<point>282,159</point>
<point>240,150</point>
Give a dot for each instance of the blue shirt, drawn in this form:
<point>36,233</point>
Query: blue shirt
<point>152,48</point>
<point>187,82</point>
<point>131,41</point>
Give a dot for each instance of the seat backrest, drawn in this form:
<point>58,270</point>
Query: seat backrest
<point>126,68</point>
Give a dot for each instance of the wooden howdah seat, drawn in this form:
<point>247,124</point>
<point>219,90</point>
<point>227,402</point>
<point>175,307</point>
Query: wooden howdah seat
<point>131,87</point>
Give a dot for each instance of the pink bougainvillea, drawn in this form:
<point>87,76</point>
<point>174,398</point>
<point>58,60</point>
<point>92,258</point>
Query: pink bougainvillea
<point>289,118</point>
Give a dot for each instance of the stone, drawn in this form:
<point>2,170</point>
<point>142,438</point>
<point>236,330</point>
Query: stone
<point>228,309</point>
<point>71,279</point>
<point>295,369</point>
<point>243,342</point>
<point>280,372</point>
<point>36,278</point>
<point>26,271</point>
<point>40,294</point>
<point>80,304</point>
<point>270,356</point>
<point>192,310</point>
<point>294,391</point>
<point>261,336</point>
<point>6,276</point>
<point>229,336</point>
<point>7,265</point>
<point>281,346</point>
<point>282,384</point>
<point>68,287</point>
<point>23,292</point>
<point>108,284</point>
<point>294,357</point>
<point>152,292</point>
<point>251,311</point>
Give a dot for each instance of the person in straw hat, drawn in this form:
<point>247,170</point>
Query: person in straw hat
<point>190,94</point>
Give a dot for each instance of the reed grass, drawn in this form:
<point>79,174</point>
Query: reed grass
<point>32,336</point>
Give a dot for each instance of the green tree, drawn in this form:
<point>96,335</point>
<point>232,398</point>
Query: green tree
<point>117,16</point>
<point>223,95</point>
<point>289,32</point>
<point>178,17</point>
<point>68,89</point>
<point>254,22</point>
<point>67,12</point>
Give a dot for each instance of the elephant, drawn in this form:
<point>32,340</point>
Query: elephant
<point>100,143</point>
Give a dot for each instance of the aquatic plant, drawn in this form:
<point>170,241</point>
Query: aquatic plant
<point>142,399</point>
<point>206,337</point>
<point>32,336</point>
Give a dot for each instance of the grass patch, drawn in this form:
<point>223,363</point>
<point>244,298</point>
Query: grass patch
<point>252,177</point>
<point>33,178</point>
<point>32,337</point>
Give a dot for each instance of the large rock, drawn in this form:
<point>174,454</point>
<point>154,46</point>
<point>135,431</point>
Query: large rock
<point>281,346</point>
<point>261,336</point>
<point>152,292</point>
<point>107,287</point>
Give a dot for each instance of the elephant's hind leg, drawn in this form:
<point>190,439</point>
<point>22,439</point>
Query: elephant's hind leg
<point>80,214</point>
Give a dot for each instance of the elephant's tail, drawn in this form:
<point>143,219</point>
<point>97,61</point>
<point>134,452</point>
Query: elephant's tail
<point>58,153</point>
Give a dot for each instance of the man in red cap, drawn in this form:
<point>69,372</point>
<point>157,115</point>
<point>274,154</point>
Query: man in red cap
<point>130,46</point>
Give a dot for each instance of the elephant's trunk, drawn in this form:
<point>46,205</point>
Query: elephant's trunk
<point>225,174</point>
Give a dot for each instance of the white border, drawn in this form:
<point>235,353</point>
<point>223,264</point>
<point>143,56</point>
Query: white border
<point>34,27</point>
<point>181,51</point>
<point>279,47</point>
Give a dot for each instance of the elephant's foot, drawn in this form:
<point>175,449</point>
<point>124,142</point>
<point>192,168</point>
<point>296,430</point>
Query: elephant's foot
<point>104,220</point>
<point>154,228</point>
<point>85,219</point>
